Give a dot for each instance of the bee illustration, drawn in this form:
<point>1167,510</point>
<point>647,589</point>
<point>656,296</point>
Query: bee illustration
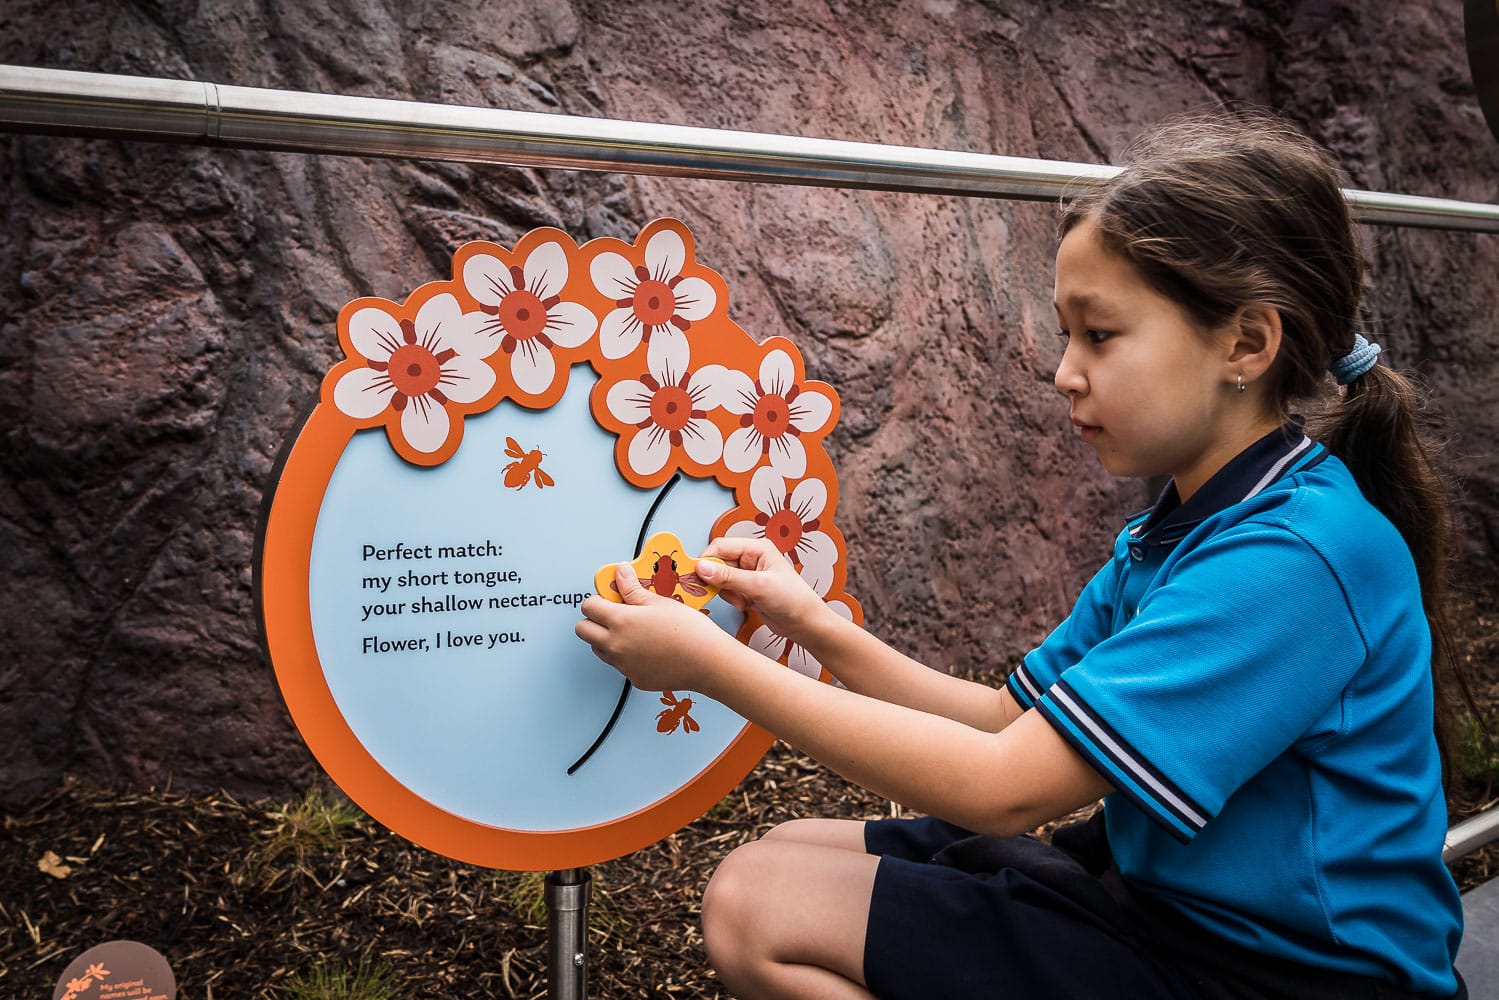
<point>675,714</point>
<point>664,579</point>
<point>527,468</point>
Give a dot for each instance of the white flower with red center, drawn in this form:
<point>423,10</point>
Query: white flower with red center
<point>791,520</point>
<point>668,406</point>
<point>651,299</point>
<point>528,319</point>
<point>773,413</point>
<point>416,367</point>
<point>768,642</point>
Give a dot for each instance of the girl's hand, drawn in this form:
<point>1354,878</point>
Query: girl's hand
<point>756,576</point>
<point>658,643</point>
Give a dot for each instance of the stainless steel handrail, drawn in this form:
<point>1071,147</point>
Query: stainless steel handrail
<point>1475,832</point>
<point>143,108</point>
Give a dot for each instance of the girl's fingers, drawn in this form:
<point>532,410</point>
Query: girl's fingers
<point>590,632</point>
<point>716,573</point>
<point>746,552</point>
<point>628,582</point>
<point>748,584</point>
<point>596,609</point>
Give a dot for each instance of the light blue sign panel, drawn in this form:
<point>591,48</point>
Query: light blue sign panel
<point>443,604</point>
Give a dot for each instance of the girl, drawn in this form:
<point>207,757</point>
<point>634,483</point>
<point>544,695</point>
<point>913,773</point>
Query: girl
<point>1248,681</point>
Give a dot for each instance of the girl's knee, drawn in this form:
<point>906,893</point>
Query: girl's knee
<point>784,911</point>
<point>747,899</point>
<point>731,892</point>
<point>730,904</point>
<point>762,893</point>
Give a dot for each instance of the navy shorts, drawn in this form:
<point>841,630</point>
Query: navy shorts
<point>955,915</point>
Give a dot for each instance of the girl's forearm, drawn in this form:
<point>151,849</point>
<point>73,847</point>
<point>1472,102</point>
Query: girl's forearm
<point>986,781</point>
<point>869,667</point>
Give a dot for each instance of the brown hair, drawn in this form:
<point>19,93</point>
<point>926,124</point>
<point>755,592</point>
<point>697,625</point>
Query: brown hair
<point>1220,212</point>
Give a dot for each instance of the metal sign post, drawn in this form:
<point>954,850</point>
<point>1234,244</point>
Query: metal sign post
<point>567,894</point>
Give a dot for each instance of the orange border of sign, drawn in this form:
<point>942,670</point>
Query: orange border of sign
<point>314,451</point>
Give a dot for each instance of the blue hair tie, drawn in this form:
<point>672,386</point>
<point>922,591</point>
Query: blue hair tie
<point>1357,361</point>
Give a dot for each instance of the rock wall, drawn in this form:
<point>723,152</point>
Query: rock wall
<point>169,310</point>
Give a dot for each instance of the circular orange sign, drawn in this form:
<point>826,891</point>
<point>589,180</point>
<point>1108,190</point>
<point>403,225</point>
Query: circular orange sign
<point>435,522</point>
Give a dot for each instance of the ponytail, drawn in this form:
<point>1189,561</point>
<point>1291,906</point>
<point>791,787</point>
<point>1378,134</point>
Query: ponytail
<point>1378,431</point>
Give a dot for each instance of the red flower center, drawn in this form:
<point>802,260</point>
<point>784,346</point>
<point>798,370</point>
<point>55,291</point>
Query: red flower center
<point>671,408</point>
<point>785,529</point>
<point>654,302</point>
<point>523,314</point>
<point>414,370</point>
<point>772,416</point>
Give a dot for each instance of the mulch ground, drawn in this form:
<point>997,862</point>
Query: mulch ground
<point>250,899</point>
<point>244,898</point>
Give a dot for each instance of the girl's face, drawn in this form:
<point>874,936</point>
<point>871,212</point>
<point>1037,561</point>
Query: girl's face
<point>1151,392</point>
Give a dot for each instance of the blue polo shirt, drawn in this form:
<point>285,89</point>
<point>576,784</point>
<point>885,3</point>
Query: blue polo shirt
<point>1251,671</point>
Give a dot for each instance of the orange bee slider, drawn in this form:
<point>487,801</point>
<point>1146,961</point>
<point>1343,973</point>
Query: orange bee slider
<point>664,568</point>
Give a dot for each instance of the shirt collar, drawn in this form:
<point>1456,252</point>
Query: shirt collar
<point>1246,474</point>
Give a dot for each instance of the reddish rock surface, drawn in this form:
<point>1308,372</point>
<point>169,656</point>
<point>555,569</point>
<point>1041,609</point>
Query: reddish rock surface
<point>169,310</point>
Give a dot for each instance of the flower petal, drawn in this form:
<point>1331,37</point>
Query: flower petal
<point>703,441</point>
<point>744,529</point>
<point>546,270</point>
<point>788,456</point>
<point>742,450</point>
<point>613,275</point>
<point>569,324</point>
<point>664,255</point>
<point>629,401</point>
<point>374,333</point>
<point>362,393</point>
<point>803,662</point>
<point>441,317</point>
<point>487,279</point>
<point>768,490</point>
<point>809,499</point>
<point>532,368</point>
<point>425,424</point>
<point>816,548</point>
<point>704,387</point>
<point>470,335</point>
<point>736,393</point>
<point>819,578</point>
<point>767,643</point>
<point>465,379</point>
<point>668,355</point>
<point>695,299</point>
<point>649,451</point>
<point>810,411</point>
<point>619,334</point>
<point>777,375</point>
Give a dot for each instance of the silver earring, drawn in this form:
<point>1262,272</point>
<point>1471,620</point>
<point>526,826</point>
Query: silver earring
<point>1241,381</point>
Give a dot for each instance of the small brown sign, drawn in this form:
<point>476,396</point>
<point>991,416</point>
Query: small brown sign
<point>117,970</point>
